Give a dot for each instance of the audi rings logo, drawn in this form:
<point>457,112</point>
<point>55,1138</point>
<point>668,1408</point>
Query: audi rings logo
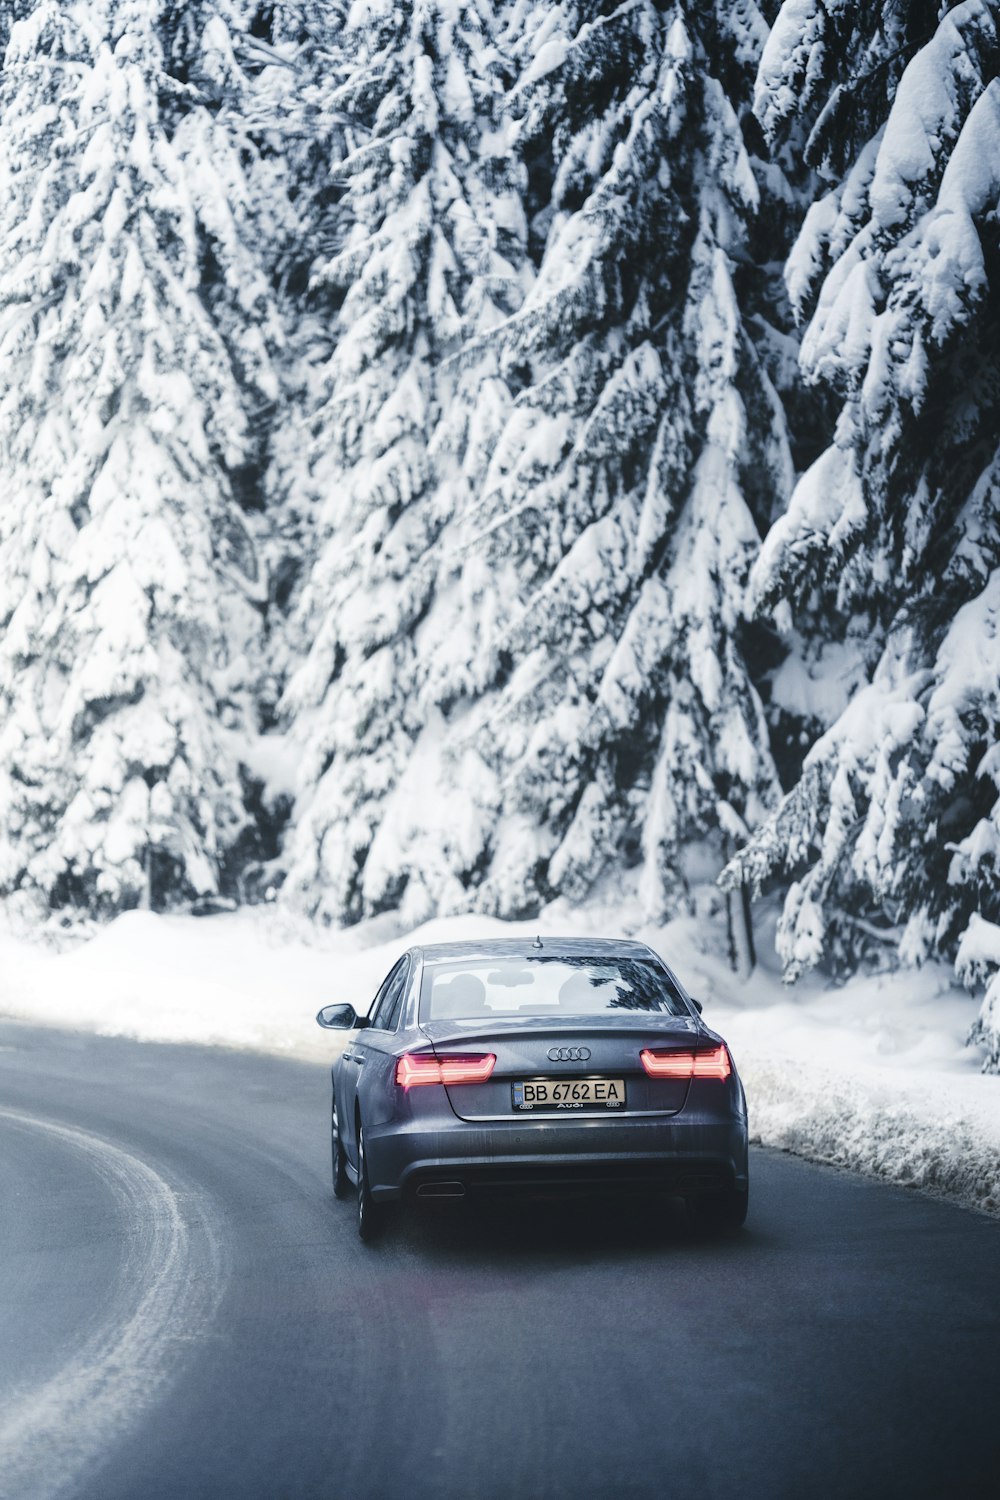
<point>568,1054</point>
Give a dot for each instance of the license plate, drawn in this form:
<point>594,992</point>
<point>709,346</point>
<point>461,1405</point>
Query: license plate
<point>569,1093</point>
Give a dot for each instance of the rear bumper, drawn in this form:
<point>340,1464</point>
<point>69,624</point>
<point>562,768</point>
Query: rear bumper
<point>671,1155</point>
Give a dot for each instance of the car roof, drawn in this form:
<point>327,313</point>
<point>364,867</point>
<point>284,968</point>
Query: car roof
<point>540,947</point>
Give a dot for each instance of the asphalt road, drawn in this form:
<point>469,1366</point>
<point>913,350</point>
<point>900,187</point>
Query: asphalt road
<point>186,1312</point>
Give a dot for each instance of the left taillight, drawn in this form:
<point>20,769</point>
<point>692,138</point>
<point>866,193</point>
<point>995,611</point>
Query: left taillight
<point>414,1068</point>
<point>714,1064</point>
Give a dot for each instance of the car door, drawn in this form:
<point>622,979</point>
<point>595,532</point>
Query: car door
<point>374,1061</point>
<point>355,1083</point>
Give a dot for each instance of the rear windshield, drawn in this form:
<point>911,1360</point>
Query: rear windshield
<point>464,990</point>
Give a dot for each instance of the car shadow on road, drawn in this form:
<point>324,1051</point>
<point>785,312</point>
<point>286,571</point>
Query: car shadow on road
<point>593,1228</point>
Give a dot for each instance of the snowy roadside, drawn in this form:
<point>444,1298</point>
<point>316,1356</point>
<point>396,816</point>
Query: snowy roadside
<point>849,1077</point>
<point>874,1076</point>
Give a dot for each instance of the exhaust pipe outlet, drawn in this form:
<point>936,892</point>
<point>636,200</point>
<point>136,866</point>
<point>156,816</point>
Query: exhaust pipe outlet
<point>441,1190</point>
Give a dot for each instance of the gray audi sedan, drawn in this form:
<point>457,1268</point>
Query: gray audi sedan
<point>518,1067</point>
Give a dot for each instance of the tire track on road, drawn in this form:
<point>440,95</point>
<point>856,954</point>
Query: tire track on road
<point>170,1286</point>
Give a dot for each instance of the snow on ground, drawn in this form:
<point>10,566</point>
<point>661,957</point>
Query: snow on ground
<point>251,979</point>
<point>873,1075</point>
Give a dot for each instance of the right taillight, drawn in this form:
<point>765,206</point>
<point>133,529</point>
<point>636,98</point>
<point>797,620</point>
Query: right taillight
<point>714,1064</point>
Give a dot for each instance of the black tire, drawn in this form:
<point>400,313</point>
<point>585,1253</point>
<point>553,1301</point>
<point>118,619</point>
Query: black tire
<point>369,1213</point>
<point>720,1213</point>
<point>341,1182</point>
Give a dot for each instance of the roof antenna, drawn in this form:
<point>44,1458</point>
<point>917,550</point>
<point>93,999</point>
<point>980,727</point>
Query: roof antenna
<point>537,943</point>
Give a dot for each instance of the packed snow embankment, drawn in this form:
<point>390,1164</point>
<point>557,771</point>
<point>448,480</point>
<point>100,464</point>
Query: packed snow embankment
<point>233,980</point>
<point>874,1075</point>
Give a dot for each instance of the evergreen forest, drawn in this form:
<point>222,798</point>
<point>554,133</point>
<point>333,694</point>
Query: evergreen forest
<point>457,454</point>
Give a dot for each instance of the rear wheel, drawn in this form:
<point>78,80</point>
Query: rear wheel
<point>369,1212</point>
<point>720,1213</point>
<point>340,1181</point>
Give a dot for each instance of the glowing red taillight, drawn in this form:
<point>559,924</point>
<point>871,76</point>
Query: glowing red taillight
<point>416,1067</point>
<point>713,1064</point>
<point>412,1070</point>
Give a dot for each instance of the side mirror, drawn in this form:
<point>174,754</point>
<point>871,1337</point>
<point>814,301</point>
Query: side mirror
<point>697,1004</point>
<point>337,1017</point>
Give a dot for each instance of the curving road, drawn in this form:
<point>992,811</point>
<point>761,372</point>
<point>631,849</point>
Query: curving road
<point>185,1312</point>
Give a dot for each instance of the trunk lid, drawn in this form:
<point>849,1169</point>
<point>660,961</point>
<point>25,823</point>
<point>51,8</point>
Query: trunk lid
<point>522,1046</point>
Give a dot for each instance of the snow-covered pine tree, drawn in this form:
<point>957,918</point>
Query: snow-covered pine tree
<point>615,722</point>
<point>301,123</point>
<point>428,254</point>
<point>890,544</point>
<point>225,100</point>
<point>555,680</point>
<point>238,106</point>
<point>123,601</point>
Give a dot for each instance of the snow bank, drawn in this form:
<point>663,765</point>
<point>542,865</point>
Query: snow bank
<point>250,979</point>
<point>874,1075</point>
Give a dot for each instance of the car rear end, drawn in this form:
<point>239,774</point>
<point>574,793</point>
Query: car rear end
<point>637,1098</point>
